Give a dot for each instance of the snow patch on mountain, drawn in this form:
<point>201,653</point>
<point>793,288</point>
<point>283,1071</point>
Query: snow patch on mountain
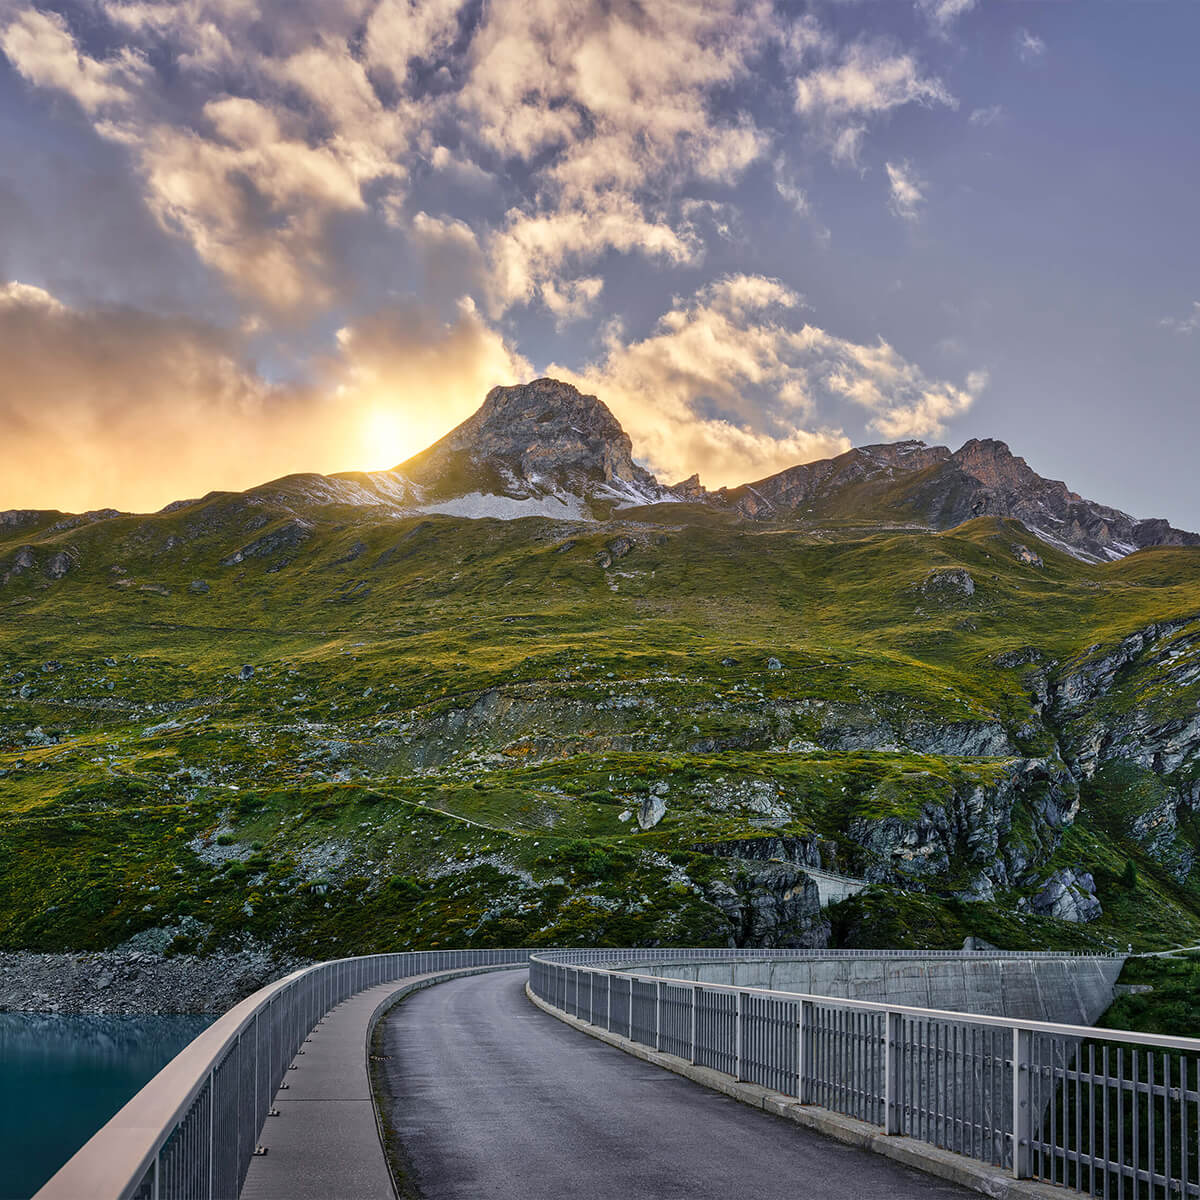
<point>481,505</point>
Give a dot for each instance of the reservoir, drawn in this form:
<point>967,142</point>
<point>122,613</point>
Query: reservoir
<point>62,1077</point>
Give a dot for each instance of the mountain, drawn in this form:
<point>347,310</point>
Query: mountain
<point>545,449</point>
<point>540,441</point>
<point>910,482</point>
<point>332,714</point>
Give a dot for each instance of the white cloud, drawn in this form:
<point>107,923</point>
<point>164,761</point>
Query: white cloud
<point>285,133</point>
<point>986,116</point>
<point>1030,47</point>
<point>41,46</point>
<point>906,190</point>
<point>868,82</point>
<point>789,189</point>
<point>1188,324</point>
<point>616,109</point>
<point>941,14</point>
<point>17,295</point>
<point>727,384</point>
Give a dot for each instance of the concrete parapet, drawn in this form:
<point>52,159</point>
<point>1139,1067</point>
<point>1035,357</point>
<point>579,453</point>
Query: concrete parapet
<point>1067,991</point>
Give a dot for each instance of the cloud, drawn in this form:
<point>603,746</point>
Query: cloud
<point>730,385</point>
<point>1188,324</point>
<point>15,297</point>
<point>906,190</point>
<point>868,81</point>
<point>1030,47</point>
<point>788,188</point>
<point>40,44</point>
<point>941,14</point>
<point>250,134</point>
<point>260,132</point>
<point>615,111</point>
<point>986,116</point>
<point>133,410</point>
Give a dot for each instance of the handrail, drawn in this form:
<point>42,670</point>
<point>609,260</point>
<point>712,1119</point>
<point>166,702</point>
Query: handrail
<point>191,1131</point>
<point>160,1106</point>
<point>1123,1036</point>
<point>1092,1110</point>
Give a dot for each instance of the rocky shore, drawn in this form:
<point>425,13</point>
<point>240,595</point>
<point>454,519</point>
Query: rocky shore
<point>128,982</point>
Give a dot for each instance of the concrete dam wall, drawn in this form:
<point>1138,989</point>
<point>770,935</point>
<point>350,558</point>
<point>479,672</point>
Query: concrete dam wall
<point>1069,991</point>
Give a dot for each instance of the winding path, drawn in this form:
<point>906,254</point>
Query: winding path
<point>484,1095</point>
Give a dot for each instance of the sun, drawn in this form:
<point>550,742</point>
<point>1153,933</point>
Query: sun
<point>385,438</point>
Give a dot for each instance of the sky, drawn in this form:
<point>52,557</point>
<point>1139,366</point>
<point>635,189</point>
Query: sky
<point>243,239</point>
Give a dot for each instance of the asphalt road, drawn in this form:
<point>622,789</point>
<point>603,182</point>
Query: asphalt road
<point>489,1097</point>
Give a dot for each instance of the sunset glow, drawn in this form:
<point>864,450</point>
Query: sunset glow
<point>251,239</point>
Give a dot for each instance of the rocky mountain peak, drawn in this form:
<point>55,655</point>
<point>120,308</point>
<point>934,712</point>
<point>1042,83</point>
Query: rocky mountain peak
<point>532,440</point>
<point>546,426</point>
<point>994,465</point>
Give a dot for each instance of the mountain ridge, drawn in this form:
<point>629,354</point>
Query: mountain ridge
<point>545,449</point>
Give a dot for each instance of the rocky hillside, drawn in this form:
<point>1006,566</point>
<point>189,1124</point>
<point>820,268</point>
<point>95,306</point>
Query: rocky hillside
<point>910,482</point>
<point>336,714</point>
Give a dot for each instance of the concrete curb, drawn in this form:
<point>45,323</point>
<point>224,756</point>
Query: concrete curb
<point>944,1164</point>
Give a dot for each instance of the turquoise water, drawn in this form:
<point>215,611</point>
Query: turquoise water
<point>61,1078</point>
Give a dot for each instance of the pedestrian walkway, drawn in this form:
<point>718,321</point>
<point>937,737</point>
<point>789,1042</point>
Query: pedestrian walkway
<point>324,1144</point>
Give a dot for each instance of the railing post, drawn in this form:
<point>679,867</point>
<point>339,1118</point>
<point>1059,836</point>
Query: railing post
<point>695,989</point>
<point>803,1026</point>
<point>657,1013</point>
<point>893,1059</point>
<point>737,1039</point>
<point>631,1008</point>
<point>212,1107</point>
<point>1022,1086</point>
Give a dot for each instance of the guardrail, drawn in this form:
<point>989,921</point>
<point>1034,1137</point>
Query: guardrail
<point>190,1133</point>
<point>683,954</point>
<point>1109,1113</point>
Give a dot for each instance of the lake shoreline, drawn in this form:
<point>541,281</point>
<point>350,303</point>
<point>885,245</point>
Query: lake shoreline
<point>133,982</point>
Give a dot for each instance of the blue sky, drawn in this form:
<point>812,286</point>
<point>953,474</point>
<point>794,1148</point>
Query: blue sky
<point>242,239</point>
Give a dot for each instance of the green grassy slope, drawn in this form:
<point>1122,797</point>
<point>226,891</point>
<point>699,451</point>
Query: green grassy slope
<point>448,719</point>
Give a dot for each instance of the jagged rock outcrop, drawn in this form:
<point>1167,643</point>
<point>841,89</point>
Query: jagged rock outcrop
<point>543,438</point>
<point>772,905</point>
<point>1069,895</point>
<point>932,486</point>
<point>997,834</point>
<point>800,851</point>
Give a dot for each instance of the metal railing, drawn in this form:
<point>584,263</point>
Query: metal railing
<point>1104,1112</point>
<point>665,954</point>
<point>190,1133</point>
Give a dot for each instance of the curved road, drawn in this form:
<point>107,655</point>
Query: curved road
<point>488,1096</point>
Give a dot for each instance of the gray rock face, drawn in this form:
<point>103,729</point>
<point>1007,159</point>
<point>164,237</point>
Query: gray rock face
<point>1069,895</point>
<point>133,981</point>
<point>288,536</point>
<point>652,810</point>
<point>534,439</point>
<point>934,487</point>
<point>800,851</point>
<point>773,905</point>
<point>949,583</point>
<point>973,825</point>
